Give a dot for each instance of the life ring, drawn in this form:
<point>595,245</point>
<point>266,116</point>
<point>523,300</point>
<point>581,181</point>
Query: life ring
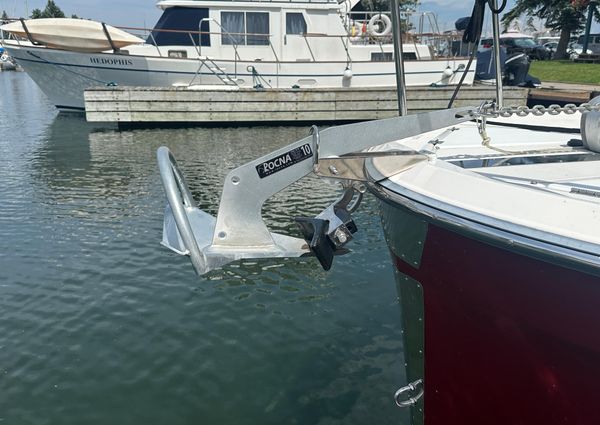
<point>4,57</point>
<point>380,21</point>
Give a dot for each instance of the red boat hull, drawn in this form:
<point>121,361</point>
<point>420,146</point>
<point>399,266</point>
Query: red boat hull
<point>508,338</point>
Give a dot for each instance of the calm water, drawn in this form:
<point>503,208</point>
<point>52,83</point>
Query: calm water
<point>99,324</point>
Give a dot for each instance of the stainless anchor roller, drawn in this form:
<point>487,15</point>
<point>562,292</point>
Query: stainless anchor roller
<point>239,232</point>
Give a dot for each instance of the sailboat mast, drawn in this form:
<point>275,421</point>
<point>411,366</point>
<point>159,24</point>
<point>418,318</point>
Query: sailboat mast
<point>496,28</point>
<point>399,56</point>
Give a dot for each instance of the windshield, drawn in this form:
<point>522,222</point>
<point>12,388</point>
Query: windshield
<point>524,42</point>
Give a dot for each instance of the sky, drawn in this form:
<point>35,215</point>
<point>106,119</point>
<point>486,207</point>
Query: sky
<point>144,13</point>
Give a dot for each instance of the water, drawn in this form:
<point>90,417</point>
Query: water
<point>100,324</point>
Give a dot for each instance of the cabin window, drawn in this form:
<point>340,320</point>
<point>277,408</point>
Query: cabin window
<point>245,28</point>
<point>234,26</point>
<point>181,19</point>
<point>295,23</point>
<point>177,54</point>
<point>257,23</point>
<point>389,56</point>
<point>382,56</point>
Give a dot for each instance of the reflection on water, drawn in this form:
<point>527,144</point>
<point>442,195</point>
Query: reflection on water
<point>100,324</point>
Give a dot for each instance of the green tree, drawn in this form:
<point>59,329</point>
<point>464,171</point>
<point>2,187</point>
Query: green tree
<point>386,6</point>
<point>566,16</point>
<point>50,11</point>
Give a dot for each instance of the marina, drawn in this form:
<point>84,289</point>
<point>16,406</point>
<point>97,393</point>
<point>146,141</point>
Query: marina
<point>96,327</point>
<point>298,212</point>
<point>274,44</point>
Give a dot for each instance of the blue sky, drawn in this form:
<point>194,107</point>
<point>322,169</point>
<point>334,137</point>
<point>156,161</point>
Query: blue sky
<point>138,13</point>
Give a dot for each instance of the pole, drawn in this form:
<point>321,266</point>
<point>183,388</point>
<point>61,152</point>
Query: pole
<point>496,28</point>
<point>588,26</point>
<point>399,56</point>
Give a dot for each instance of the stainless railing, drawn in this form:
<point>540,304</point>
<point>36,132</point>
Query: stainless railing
<point>442,42</point>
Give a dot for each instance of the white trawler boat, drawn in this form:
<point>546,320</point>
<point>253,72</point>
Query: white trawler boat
<point>276,43</point>
<point>492,217</point>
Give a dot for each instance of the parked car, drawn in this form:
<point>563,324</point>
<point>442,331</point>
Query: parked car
<point>573,50</point>
<point>485,44</point>
<point>514,45</point>
<point>525,45</point>
<point>593,43</point>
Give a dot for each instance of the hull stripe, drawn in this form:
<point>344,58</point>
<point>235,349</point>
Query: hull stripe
<point>209,73</point>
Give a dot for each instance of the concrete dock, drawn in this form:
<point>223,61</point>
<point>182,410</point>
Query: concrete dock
<point>226,104</point>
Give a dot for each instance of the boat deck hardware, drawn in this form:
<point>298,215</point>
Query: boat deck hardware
<point>29,36</point>
<point>114,48</point>
<point>410,388</point>
<point>239,232</point>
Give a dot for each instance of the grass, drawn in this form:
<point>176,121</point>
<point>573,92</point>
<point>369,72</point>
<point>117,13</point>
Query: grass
<point>566,71</point>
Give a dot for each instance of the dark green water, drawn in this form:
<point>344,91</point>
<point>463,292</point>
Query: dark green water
<point>99,324</point>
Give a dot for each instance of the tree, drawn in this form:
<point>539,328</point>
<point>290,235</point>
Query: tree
<point>566,16</point>
<point>51,11</point>
<point>385,5</point>
<point>407,6</point>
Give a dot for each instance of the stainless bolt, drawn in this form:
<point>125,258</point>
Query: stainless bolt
<point>340,236</point>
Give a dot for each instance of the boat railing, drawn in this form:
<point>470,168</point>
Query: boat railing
<point>223,31</point>
<point>442,43</point>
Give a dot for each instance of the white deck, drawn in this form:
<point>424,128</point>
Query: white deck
<point>537,184</point>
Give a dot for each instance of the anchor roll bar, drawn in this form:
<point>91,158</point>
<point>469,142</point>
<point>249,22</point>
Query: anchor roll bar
<point>239,232</point>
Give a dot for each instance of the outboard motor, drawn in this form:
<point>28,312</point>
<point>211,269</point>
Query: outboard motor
<point>459,48</point>
<point>516,68</point>
<point>486,70</point>
<point>461,24</point>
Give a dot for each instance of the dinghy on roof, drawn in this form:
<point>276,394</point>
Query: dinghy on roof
<point>78,35</point>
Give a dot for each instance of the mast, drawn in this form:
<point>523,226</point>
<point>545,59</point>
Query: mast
<point>399,56</point>
<point>496,46</point>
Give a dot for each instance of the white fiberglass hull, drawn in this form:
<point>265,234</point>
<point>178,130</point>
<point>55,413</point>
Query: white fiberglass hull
<point>63,76</point>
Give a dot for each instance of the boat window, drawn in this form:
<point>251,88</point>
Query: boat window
<point>257,23</point>
<point>382,56</point>
<point>295,23</point>
<point>389,56</point>
<point>181,19</point>
<point>523,160</point>
<point>234,24</point>
<point>245,28</point>
<point>177,54</point>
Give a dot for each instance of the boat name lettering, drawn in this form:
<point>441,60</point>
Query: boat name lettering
<point>111,61</point>
<point>284,161</point>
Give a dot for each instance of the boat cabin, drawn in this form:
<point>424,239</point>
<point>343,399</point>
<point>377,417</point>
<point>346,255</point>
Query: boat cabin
<point>276,30</point>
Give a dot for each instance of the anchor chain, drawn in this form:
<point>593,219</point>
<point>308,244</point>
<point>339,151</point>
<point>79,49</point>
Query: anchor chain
<point>488,109</point>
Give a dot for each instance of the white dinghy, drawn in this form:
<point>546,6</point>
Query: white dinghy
<point>77,35</point>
